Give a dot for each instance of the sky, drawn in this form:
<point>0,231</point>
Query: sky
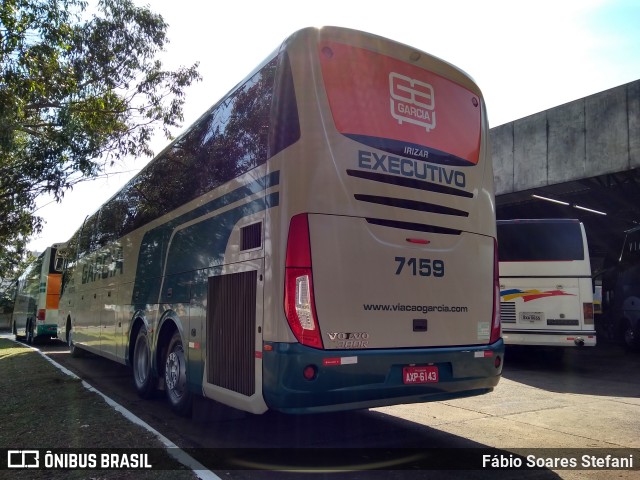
<point>525,57</point>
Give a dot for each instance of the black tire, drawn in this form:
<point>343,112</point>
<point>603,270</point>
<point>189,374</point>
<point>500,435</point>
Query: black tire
<point>631,336</point>
<point>14,330</point>
<point>143,377</point>
<point>29,333</point>
<point>74,350</point>
<point>175,377</point>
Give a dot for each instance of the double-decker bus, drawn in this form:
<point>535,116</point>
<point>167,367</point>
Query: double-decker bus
<point>322,238</point>
<point>35,310</point>
<point>546,288</point>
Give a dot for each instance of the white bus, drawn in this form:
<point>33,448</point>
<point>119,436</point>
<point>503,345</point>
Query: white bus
<point>546,292</point>
<point>322,238</point>
<point>35,310</point>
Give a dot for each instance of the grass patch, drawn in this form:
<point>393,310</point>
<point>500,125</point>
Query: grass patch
<point>42,408</point>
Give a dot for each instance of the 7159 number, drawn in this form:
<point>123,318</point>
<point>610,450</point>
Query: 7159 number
<point>424,267</point>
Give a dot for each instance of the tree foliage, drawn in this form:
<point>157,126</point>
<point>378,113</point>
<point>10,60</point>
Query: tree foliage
<point>80,88</point>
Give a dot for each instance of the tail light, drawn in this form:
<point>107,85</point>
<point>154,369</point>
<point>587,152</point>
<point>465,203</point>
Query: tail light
<point>299,305</point>
<point>496,331</point>
<point>41,314</point>
<point>587,309</point>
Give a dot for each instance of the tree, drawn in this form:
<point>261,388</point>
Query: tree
<point>80,88</point>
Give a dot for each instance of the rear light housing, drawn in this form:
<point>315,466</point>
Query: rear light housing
<point>496,330</point>
<point>42,313</point>
<point>299,304</point>
<point>587,309</point>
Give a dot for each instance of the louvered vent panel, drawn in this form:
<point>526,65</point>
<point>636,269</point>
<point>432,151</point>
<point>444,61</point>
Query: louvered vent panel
<point>507,312</point>
<point>231,324</point>
<point>251,236</point>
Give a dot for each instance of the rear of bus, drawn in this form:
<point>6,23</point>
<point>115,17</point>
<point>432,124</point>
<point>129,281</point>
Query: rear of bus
<point>47,320</point>
<point>38,296</point>
<point>384,242</point>
<point>546,290</point>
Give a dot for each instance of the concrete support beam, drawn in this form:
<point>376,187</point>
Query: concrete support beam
<point>502,152</point>
<point>592,136</point>
<point>530,160</point>
<point>633,102</point>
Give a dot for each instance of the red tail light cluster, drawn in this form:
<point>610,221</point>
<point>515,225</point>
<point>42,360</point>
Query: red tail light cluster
<point>299,305</point>
<point>496,331</point>
<point>587,309</point>
<point>42,313</point>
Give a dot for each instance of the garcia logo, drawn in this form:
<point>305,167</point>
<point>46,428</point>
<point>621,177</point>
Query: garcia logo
<point>412,101</point>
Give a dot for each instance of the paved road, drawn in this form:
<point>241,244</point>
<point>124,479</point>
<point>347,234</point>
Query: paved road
<point>588,399</point>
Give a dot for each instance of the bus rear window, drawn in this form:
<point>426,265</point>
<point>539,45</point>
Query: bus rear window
<point>533,242</point>
<point>399,107</point>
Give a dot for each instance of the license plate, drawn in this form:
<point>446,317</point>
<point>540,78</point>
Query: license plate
<point>532,317</point>
<point>425,374</point>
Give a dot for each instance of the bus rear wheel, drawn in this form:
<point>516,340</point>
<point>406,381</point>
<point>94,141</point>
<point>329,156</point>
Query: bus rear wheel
<point>14,329</point>
<point>175,376</point>
<point>29,333</point>
<point>143,377</point>
<point>631,336</point>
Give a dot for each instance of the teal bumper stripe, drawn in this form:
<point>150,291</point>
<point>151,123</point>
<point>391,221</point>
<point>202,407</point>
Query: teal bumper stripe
<point>370,378</point>
<point>47,329</point>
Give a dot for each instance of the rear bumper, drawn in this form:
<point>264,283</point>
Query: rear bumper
<point>46,330</point>
<point>353,379</point>
<point>565,338</point>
